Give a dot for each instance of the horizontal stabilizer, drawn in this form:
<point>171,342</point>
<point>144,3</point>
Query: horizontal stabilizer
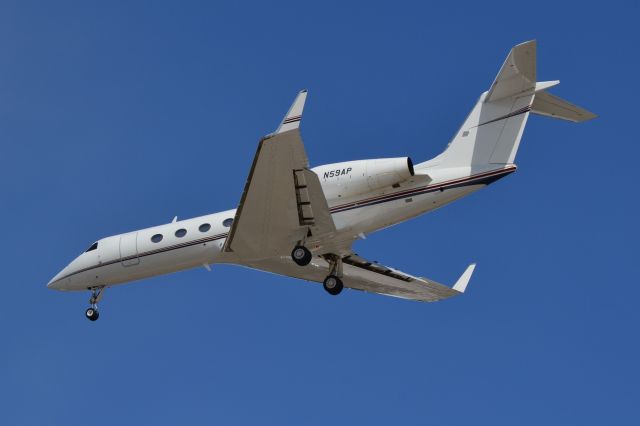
<point>552,106</point>
<point>544,85</point>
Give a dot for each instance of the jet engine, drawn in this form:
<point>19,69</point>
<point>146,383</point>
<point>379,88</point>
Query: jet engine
<point>359,177</point>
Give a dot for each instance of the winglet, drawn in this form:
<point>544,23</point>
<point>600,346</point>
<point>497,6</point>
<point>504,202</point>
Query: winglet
<point>291,121</point>
<point>462,282</point>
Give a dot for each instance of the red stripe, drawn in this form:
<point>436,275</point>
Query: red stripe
<point>421,188</point>
<point>149,253</point>
<point>292,119</point>
<point>512,114</point>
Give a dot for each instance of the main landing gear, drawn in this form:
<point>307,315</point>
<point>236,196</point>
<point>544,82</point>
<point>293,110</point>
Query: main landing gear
<point>301,255</point>
<point>92,313</point>
<point>333,284</point>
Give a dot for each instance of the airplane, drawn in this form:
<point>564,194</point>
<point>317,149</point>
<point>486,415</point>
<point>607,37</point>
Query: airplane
<point>301,222</point>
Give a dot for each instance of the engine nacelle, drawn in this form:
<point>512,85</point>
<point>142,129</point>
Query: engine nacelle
<point>352,178</point>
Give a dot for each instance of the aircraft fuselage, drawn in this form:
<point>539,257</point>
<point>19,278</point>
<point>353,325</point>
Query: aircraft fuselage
<point>199,241</point>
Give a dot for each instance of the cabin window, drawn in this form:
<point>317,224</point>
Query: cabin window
<point>227,222</point>
<point>93,247</point>
<point>156,238</point>
<point>204,227</point>
<point>181,232</point>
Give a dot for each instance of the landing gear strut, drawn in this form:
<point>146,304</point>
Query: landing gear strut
<point>333,284</point>
<point>301,255</point>
<point>92,313</point>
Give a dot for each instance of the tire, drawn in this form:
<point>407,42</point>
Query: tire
<point>91,314</point>
<point>301,255</point>
<point>333,285</point>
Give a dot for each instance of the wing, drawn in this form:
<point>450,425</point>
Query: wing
<point>361,274</point>
<point>283,202</point>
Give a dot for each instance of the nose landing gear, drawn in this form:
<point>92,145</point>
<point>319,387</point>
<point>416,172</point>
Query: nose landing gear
<point>92,313</point>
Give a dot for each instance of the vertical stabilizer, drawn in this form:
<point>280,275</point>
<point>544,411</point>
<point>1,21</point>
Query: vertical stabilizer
<point>490,136</point>
<point>492,131</point>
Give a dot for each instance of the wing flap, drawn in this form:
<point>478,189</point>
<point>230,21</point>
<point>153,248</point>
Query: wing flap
<point>373,277</point>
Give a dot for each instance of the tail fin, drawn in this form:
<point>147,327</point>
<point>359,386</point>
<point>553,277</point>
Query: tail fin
<point>491,133</point>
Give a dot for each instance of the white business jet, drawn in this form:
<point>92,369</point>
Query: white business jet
<point>301,222</point>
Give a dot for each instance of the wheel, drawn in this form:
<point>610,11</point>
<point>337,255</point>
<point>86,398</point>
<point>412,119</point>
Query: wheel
<point>333,285</point>
<point>92,314</point>
<point>301,255</point>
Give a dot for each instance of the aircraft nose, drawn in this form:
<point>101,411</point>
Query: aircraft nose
<point>55,282</point>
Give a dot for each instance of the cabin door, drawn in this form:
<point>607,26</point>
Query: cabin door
<point>129,249</point>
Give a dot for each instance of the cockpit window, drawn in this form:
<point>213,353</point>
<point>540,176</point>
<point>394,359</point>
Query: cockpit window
<point>93,247</point>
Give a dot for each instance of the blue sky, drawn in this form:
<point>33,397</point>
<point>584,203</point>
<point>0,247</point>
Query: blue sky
<point>116,116</point>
